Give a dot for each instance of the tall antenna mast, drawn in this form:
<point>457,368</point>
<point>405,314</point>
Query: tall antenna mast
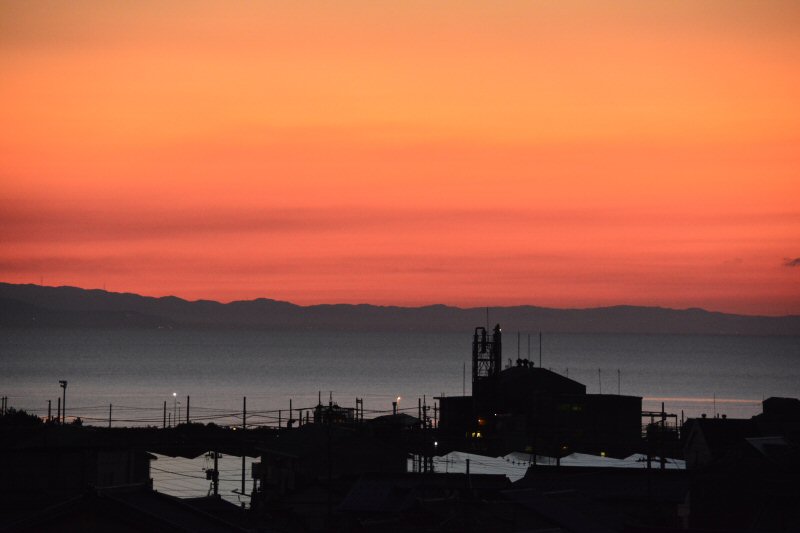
<point>540,349</point>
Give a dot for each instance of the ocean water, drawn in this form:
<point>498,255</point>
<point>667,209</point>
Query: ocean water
<point>136,371</point>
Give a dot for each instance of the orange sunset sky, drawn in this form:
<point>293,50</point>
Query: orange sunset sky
<point>555,153</point>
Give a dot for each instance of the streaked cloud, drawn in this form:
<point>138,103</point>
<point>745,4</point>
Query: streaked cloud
<point>416,152</point>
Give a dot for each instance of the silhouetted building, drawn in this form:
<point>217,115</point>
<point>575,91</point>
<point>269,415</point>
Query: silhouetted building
<point>333,414</point>
<point>721,439</point>
<point>293,460</point>
<point>524,407</point>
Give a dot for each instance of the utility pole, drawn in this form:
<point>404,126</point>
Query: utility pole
<point>174,408</point>
<point>165,414</point>
<point>215,474</point>
<point>187,408</point>
<point>63,384</point>
<point>540,349</point>
<point>109,416</point>
<point>49,410</point>
<point>244,427</point>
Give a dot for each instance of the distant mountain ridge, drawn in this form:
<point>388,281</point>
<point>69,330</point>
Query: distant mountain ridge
<point>40,306</point>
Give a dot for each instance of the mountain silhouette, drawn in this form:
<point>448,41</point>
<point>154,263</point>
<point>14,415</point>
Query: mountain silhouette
<point>41,306</point>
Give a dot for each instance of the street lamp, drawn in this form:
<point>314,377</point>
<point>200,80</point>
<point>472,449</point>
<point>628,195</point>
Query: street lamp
<point>63,384</point>
<point>174,407</point>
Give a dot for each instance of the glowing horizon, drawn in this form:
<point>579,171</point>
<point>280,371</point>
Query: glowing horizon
<point>572,154</point>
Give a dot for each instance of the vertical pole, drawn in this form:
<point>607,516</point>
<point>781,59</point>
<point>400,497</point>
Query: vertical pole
<point>291,413</point>
<point>165,414</point>
<point>540,349</point>
<point>58,412</point>
<point>661,438</point>
<point>49,410</point>
<point>330,473</point>
<point>188,398</point>
<point>216,474</point>
<point>244,427</point>
<point>64,401</point>
<point>280,423</point>
<point>109,416</point>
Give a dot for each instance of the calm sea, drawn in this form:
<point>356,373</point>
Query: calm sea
<point>137,371</point>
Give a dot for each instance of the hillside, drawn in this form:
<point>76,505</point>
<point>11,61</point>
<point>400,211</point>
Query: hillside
<point>40,306</point>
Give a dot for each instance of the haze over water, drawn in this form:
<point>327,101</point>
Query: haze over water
<point>136,371</point>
